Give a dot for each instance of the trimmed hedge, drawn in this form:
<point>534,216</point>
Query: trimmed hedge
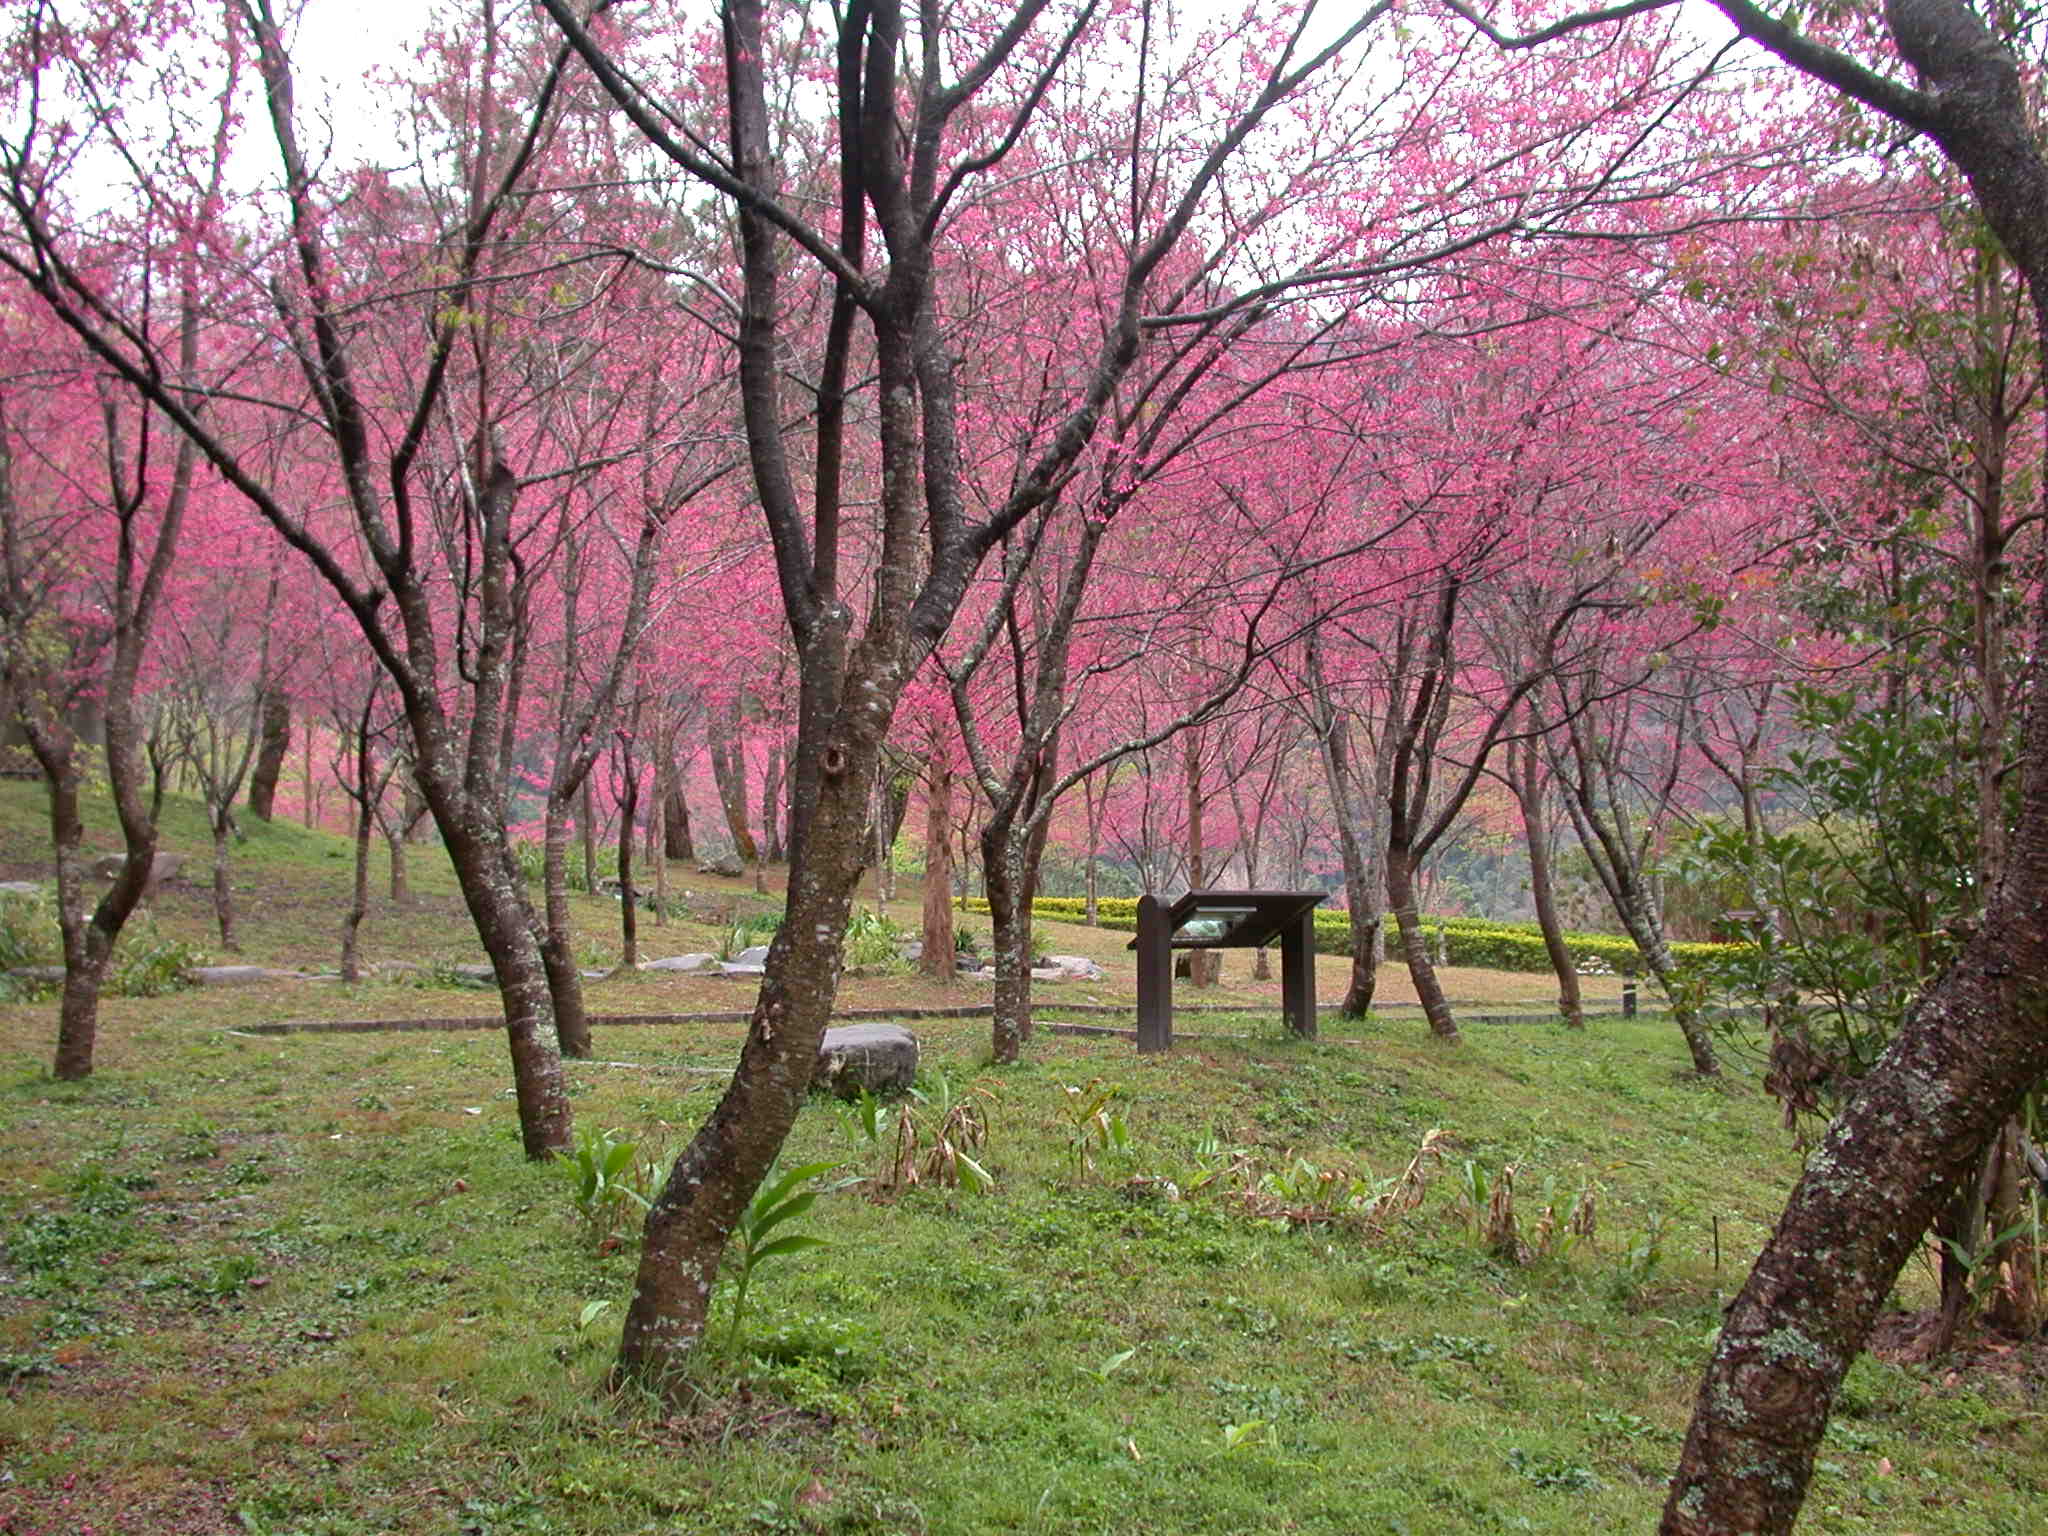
<point>1468,941</point>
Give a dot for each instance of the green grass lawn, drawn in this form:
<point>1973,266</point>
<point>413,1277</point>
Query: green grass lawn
<point>306,1284</point>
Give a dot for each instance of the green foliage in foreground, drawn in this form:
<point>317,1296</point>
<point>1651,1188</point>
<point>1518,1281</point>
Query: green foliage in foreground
<point>147,961</point>
<point>1480,943</point>
<point>306,1284</point>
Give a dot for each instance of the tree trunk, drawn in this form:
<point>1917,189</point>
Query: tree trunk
<point>1415,945</point>
<point>312,786</point>
<point>223,889</point>
<point>275,742</point>
<point>359,887</point>
<point>1977,1041</point>
<point>1205,966</point>
<point>771,807</point>
<point>1970,1050</point>
<point>1525,775</point>
<point>1093,808</point>
<point>394,844</point>
<point>1009,911</point>
<point>656,850</point>
<point>675,821</point>
<point>689,1224</point>
<point>1358,843</point>
<point>505,922</point>
<point>629,899</point>
<point>558,938</point>
<point>728,772</point>
<point>1639,919</point>
<point>587,825</point>
<point>939,959</point>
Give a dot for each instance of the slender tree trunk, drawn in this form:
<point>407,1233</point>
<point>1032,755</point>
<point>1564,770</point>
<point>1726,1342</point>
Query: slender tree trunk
<point>588,826</point>
<point>394,845</point>
<point>1205,966</point>
<point>657,838</point>
<point>275,742</point>
<point>939,959</point>
<point>85,948</point>
<point>558,938</point>
<point>359,887</point>
<point>1415,944</point>
<point>1525,773</point>
<point>1093,806</point>
<point>311,786</point>
<point>728,772</point>
<point>1358,843</point>
<point>223,889</point>
<point>771,806</point>
<point>1639,920</point>
<point>629,898</point>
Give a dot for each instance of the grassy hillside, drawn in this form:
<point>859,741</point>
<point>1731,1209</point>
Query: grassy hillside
<point>306,1285</point>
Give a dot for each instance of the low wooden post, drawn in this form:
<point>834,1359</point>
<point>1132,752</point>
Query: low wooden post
<point>1298,977</point>
<point>1155,977</point>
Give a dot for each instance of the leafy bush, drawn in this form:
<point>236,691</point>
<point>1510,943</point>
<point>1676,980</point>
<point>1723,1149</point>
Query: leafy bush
<point>874,941</point>
<point>609,1182</point>
<point>754,928</point>
<point>149,962</point>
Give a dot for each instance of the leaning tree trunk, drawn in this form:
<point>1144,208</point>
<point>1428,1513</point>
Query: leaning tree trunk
<point>1414,947</point>
<point>493,892</point>
<point>1639,920</point>
<point>687,1228</point>
<point>1977,1041</point>
<point>1916,1126</point>
<point>275,743</point>
<point>1524,770</point>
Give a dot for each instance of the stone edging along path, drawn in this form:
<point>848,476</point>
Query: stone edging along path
<point>742,1016</point>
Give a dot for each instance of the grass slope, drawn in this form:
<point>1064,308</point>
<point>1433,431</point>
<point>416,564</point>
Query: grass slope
<point>306,1284</point>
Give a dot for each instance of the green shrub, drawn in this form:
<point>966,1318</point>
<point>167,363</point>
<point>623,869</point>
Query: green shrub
<point>1468,941</point>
